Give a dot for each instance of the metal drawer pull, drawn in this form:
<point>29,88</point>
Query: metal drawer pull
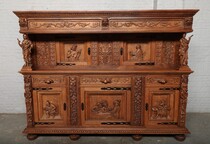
<point>49,81</point>
<point>162,81</point>
<point>106,81</point>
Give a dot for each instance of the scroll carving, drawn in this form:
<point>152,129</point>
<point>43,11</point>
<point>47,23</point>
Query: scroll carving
<point>183,51</point>
<point>46,53</point>
<point>183,100</point>
<point>161,110</point>
<point>102,107</point>
<point>26,46</point>
<point>63,25</point>
<point>50,109</point>
<point>28,100</point>
<point>138,54</point>
<point>147,24</point>
<point>138,100</point>
<point>73,93</point>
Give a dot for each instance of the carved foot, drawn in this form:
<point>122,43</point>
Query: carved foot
<point>74,137</point>
<point>180,137</point>
<point>32,136</point>
<point>137,137</point>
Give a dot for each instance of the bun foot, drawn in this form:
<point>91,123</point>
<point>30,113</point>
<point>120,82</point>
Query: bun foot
<point>32,136</point>
<point>74,137</point>
<point>137,137</point>
<point>180,137</point>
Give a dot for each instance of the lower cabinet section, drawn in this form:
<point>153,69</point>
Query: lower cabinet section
<point>107,104</point>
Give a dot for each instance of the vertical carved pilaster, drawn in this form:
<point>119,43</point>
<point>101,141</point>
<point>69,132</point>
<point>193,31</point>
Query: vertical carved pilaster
<point>137,101</point>
<point>73,92</point>
<point>26,46</point>
<point>183,100</point>
<point>28,100</point>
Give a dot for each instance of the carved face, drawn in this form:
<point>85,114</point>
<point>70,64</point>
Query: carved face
<point>25,36</point>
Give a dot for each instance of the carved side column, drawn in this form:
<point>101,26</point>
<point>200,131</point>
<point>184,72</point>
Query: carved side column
<point>28,100</point>
<point>183,52</point>
<point>183,100</point>
<point>73,93</point>
<point>26,46</point>
<point>137,100</point>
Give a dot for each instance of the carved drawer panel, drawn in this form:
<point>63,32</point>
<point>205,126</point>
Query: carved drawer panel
<point>47,80</point>
<point>162,80</point>
<point>103,80</point>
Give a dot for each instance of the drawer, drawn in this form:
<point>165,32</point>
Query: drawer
<point>47,80</point>
<point>162,80</point>
<point>104,80</point>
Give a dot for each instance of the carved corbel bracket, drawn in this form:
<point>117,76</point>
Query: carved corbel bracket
<point>26,46</point>
<point>105,22</point>
<point>23,22</point>
<point>183,51</point>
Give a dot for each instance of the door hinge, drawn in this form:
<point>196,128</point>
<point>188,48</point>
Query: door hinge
<point>82,106</point>
<point>64,106</point>
<point>146,106</point>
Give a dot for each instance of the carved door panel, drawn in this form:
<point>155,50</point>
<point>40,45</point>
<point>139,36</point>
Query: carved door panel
<point>49,107</point>
<point>139,53</point>
<point>72,53</point>
<point>161,107</point>
<point>102,107</point>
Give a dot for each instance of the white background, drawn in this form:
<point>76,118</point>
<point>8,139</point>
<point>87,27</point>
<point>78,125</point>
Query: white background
<point>11,82</point>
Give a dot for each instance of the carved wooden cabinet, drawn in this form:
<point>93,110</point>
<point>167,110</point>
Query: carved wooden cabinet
<point>106,72</point>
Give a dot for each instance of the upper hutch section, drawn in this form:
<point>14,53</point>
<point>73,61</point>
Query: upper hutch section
<point>147,21</point>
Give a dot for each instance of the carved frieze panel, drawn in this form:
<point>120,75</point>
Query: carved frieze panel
<point>45,53</point>
<point>86,80</point>
<point>80,24</point>
<point>146,24</point>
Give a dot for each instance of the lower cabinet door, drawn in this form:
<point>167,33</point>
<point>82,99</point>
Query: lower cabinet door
<point>49,107</point>
<point>161,107</point>
<point>103,108</point>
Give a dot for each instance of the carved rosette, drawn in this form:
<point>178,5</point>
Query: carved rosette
<point>183,100</point>
<point>28,100</point>
<point>73,93</point>
<point>137,101</point>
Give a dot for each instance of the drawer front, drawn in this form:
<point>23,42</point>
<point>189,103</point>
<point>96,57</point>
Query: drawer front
<point>104,80</point>
<point>162,80</point>
<point>49,80</point>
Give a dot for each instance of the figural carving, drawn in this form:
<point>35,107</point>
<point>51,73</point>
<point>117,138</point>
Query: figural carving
<point>161,110</point>
<point>102,107</point>
<point>26,46</point>
<point>183,51</point>
<point>50,109</point>
<point>73,54</point>
<point>138,54</point>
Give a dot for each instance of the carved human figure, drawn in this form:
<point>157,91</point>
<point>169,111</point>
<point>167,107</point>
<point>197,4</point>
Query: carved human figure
<point>50,109</point>
<point>73,53</point>
<point>183,51</point>
<point>161,111</point>
<point>138,54</point>
<point>26,46</point>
